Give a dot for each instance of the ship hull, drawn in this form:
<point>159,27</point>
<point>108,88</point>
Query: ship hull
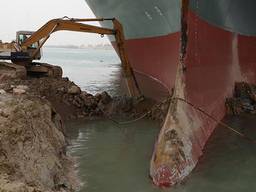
<point>219,51</point>
<point>150,59</point>
<point>215,60</point>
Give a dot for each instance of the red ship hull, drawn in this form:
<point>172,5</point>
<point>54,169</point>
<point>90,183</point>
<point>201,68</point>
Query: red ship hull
<point>154,61</point>
<point>216,56</point>
<point>215,60</point>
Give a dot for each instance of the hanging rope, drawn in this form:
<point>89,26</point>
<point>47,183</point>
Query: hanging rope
<point>218,121</point>
<point>169,100</point>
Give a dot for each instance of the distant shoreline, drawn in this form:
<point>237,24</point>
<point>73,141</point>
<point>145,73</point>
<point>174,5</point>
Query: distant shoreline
<point>98,46</point>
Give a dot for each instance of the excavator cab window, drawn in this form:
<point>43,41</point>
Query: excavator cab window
<point>22,38</point>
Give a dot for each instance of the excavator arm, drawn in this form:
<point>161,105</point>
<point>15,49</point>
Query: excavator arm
<point>66,24</point>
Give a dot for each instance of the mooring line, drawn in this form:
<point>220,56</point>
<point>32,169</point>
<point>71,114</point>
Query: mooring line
<point>172,99</point>
<point>139,118</point>
<point>218,121</point>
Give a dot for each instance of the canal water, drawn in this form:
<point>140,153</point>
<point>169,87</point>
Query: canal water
<point>116,159</point>
<point>94,70</point>
<point>113,158</point>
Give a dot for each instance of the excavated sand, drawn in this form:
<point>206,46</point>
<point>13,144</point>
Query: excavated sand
<point>32,147</point>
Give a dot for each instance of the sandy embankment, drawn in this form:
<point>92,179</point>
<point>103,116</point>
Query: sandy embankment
<point>32,147</point>
<point>32,136</point>
<point>32,141</point>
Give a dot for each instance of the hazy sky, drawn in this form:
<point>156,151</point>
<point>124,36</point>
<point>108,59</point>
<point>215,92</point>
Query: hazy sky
<point>30,15</point>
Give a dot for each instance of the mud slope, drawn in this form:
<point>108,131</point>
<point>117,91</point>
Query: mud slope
<point>32,147</point>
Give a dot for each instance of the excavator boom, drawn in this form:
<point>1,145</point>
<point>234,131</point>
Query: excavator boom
<point>77,25</point>
<point>65,25</point>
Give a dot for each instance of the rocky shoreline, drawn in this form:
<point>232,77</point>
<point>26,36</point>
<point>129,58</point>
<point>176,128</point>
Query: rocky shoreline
<point>66,97</point>
<point>243,100</point>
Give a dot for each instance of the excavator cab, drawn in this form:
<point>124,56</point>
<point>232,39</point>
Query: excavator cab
<point>22,36</point>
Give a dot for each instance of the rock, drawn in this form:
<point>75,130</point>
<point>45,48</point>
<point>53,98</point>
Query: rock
<point>241,90</point>
<point>105,98</point>
<point>91,102</point>
<point>101,106</point>
<point>98,96</point>
<point>78,102</point>
<point>65,78</point>
<point>72,117</point>
<point>234,106</point>
<point>243,100</point>
<point>121,105</point>
<point>4,113</point>
<point>12,71</point>
<point>247,105</point>
<point>24,87</point>
<point>127,104</point>
<point>84,95</point>
<point>2,91</point>
<point>80,116</point>
<point>17,91</point>
<point>61,89</point>
<point>74,90</point>
<point>98,112</point>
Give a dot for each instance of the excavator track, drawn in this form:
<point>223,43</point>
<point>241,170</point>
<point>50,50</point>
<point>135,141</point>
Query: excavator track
<point>44,70</point>
<point>12,71</point>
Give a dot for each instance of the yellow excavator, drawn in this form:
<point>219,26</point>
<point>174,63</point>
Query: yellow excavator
<point>27,46</point>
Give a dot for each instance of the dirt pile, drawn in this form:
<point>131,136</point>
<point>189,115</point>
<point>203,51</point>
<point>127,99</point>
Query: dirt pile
<point>10,71</point>
<point>66,97</point>
<point>32,147</point>
<point>72,103</point>
<point>32,141</point>
<point>243,100</point>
